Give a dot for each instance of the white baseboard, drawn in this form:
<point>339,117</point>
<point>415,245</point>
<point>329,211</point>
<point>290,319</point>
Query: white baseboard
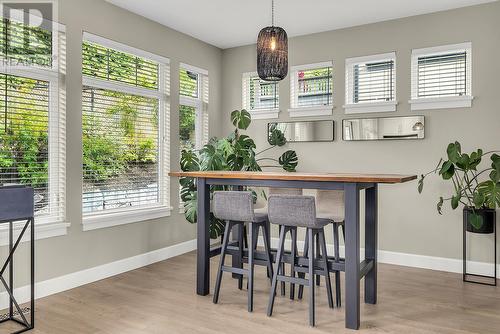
<point>412,260</point>
<point>76,279</point>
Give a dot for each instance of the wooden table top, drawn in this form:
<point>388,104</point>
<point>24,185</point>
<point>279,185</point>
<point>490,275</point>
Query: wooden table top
<point>326,177</point>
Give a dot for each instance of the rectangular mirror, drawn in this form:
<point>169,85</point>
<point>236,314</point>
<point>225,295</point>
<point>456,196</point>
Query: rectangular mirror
<point>383,128</point>
<point>306,131</point>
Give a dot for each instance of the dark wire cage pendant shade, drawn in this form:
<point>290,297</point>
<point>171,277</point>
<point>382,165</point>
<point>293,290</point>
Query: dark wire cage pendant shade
<point>272,54</point>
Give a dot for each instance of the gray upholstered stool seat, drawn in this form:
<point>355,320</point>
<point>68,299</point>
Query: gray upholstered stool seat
<point>236,208</point>
<point>291,212</point>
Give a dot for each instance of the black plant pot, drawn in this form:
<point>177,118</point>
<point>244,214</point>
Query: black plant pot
<point>488,216</point>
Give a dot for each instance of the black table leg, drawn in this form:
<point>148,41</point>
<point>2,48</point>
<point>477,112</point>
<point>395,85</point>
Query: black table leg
<point>371,237</point>
<point>203,240</point>
<point>352,271</point>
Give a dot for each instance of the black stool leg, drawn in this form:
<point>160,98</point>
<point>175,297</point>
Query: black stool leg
<point>303,275</point>
<point>251,231</point>
<point>326,272</point>
<point>279,255</point>
<point>318,277</point>
<point>311,277</point>
<point>225,241</point>
<point>294,256</point>
<point>337,259</point>
<point>282,272</point>
<point>267,248</point>
<point>241,239</point>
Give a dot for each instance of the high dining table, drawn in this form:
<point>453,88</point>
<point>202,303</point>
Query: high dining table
<point>351,184</point>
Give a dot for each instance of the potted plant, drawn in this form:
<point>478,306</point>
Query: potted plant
<point>477,189</point>
<point>236,152</point>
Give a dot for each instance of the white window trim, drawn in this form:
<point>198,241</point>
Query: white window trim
<point>116,218</point>
<point>109,218</point>
<point>202,117</point>
<point>369,107</point>
<point>307,111</point>
<point>54,224</point>
<point>257,113</point>
<point>444,102</point>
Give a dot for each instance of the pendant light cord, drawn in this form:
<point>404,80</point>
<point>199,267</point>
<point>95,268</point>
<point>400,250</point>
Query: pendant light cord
<point>272,13</point>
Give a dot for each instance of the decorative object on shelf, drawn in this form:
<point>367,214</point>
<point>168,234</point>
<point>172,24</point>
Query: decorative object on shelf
<point>272,52</point>
<point>383,128</point>
<point>16,206</point>
<point>306,131</point>
<point>235,152</point>
<point>477,190</point>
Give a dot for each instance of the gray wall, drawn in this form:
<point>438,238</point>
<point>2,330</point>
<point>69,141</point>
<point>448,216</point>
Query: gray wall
<point>79,250</point>
<point>409,222</point>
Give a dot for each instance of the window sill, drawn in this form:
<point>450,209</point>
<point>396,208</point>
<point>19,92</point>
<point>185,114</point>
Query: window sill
<point>359,108</point>
<point>264,114</point>
<point>441,102</point>
<point>311,111</point>
<point>103,220</point>
<point>43,230</point>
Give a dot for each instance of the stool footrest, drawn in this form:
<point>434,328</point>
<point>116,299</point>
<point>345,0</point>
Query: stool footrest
<point>239,271</point>
<point>294,280</point>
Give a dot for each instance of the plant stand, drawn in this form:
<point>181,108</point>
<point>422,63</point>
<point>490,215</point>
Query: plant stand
<point>476,278</point>
<point>17,205</point>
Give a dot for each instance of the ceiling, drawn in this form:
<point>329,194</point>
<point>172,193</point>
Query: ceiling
<point>229,23</point>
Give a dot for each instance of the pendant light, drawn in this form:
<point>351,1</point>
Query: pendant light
<point>272,52</point>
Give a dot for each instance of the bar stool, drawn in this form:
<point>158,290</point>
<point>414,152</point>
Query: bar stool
<point>330,205</point>
<point>290,212</point>
<point>236,207</point>
<point>263,210</point>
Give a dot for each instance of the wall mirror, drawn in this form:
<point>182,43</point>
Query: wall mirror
<point>306,131</point>
<point>383,128</point>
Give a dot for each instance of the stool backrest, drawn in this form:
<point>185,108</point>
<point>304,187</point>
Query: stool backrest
<point>285,191</point>
<point>330,201</point>
<point>233,205</point>
<point>292,210</point>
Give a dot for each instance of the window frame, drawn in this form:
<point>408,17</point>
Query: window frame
<point>54,224</point>
<point>351,107</point>
<point>269,113</point>
<point>200,103</point>
<point>114,217</point>
<point>295,110</point>
<point>443,102</point>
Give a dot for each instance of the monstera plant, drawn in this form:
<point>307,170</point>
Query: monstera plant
<point>475,188</point>
<point>236,152</point>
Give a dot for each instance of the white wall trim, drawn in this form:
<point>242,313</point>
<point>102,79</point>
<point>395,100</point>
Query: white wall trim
<point>411,260</point>
<point>368,107</point>
<point>441,102</point>
<point>264,113</point>
<point>79,278</point>
<point>311,111</point>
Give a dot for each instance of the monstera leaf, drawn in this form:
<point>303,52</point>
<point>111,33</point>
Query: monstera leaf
<point>241,119</point>
<point>212,159</point>
<point>276,136</point>
<point>289,161</point>
<point>189,161</point>
<point>491,192</point>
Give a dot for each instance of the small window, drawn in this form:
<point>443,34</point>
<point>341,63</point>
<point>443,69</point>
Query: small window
<point>260,98</point>
<point>441,77</point>
<point>311,90</point>
<point>371,84</point>
<point>188,83</point>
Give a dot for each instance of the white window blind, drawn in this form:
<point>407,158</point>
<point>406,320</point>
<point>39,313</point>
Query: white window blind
<point>441,77</point>
<point>259,97</point>
<point>125,129</point>
<point>32,114</point>
<point>371,83</point>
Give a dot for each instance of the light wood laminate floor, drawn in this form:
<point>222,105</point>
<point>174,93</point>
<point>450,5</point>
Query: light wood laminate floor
<point>161,298</point>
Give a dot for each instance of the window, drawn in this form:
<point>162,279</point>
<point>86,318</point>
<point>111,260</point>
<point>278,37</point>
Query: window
<point>371,84</point>
<point>125,111</point>
<point>193,110</point>
<point>441,77</point>
<point>32,118</point>
<point>260,98</point>
<point>193,107</point>
<point>311,90</point>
